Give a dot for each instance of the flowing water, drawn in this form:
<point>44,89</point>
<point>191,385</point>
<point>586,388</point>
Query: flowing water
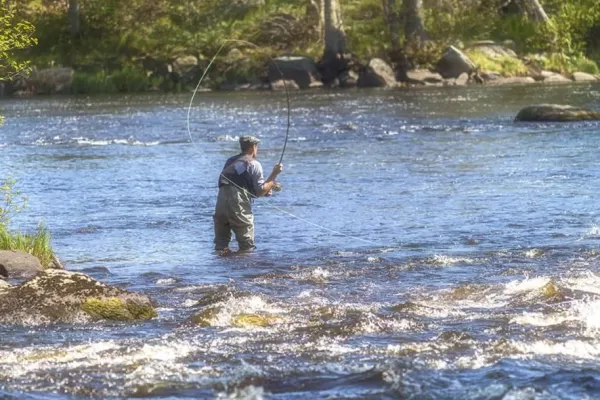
<point>442,251</point>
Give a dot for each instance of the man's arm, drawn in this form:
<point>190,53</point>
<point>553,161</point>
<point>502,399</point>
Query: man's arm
<point>270,181</point>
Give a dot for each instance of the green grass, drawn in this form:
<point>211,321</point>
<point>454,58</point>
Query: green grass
<point>564,64</point>
<point>505,65</point>
<point>37,245</point>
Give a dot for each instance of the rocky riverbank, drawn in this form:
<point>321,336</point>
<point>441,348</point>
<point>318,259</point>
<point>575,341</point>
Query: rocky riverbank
<point>484,62</point>
<point>54,295</point>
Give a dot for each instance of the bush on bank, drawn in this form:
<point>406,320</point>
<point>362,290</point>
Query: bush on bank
<point>120,51</point>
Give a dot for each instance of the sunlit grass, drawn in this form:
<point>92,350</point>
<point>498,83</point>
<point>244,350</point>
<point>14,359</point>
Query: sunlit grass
<point>505,65</point>
<point>37,245</point>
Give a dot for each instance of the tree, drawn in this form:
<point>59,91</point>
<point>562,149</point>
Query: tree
<point>14,35</point>
<point>534,10</point>
<point>74,18</point>
<point>392,17</point>
<point>331,28</point>
<point>413,22</point>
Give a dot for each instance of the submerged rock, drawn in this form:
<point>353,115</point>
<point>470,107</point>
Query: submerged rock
<point>556,113</point>
<point>19,264</point>
<point>63,296</point>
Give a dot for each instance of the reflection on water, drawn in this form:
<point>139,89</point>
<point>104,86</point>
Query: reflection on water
<point>476,275</point>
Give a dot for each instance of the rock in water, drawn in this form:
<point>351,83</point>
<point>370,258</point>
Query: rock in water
<point>556,113</point>
<point>67,297</point>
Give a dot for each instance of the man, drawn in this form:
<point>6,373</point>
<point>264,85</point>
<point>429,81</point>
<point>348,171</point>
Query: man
<point>240,182</point>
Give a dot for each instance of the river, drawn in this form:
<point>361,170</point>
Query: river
<point>424,246</point>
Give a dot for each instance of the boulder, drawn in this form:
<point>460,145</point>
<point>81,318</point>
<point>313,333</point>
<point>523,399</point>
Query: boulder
<point>512,80</point>
<point>377,74</point>
<point>493,50</point>
<point>583,77</point>
<point>300,69</point>
<point>424,77</point>
<point>59,296</point>
<point>19,264</point>
<point>462,80</point>
<point>185,69</point>
<point>280,84</point>
<point>51,80</point>
<point>556,113</point>
<point>556,78</point>
<point>453,63</point>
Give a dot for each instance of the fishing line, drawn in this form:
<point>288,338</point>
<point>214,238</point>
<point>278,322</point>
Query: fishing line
<point>269,203</point>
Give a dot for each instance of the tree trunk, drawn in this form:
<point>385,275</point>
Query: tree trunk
<point>413,22</point>
<point>74,18</point>
<point>392,18</point>
<point>534,10</point>
<point>332,29</point>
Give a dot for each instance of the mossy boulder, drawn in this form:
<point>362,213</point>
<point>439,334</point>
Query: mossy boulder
<point>556,113</point>
<point>67,297</point>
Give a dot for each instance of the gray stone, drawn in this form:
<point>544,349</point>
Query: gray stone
<point>583,77</point>
<point>556,113</point>
<point>19,264</point>
<point>377,74</point>
<point>512,80</point>
<point>463,79</point>
<point>424,76</point>
<point>492,50</point>
<point>282,85</point>
<point>453,63</point>
<point>56,295</point>
<point>556,78</point>
<point>300,69</point>
<point>490,76</point>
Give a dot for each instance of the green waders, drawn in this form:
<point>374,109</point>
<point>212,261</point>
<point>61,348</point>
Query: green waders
<point>233,212</point>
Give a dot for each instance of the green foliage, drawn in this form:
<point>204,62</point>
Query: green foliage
<point>561,63</point>
<point>13,201</point>
<point>505,65</point>
<point>38,244</point>
<point>14,35</point>
<point>366,31</point>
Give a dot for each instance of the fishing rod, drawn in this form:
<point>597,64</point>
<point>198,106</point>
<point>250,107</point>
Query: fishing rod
<point>287,93</point>
<point>287,133</point>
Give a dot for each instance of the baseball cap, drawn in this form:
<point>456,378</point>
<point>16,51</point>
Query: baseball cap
<point>249,139</point>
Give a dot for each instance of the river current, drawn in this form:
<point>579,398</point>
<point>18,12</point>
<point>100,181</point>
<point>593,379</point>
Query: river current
<point>424,246</point>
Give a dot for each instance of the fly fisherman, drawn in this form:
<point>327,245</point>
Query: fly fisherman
<point>240,182</point>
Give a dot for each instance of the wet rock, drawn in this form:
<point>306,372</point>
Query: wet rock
<point>300,69</point>
<point>206,317</point>
<point>62,296</point>
<point>556,78</point>
<point>283,85</point>
<point>423,77</point>
<point>377,74</point>
<point>583,77</point>
<point>19,264</point>
<point>453,63</point>
<point>462,80</point>
<point>252,320</point>
<point>51,80</point>
<point>513,80</point>
<point>348,79</point>
<point>490,76</point>
<point>556,113</point>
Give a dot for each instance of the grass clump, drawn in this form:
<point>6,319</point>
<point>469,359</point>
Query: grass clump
<point>564,64</point>
<point>504,65</point>
<point>37,244</point>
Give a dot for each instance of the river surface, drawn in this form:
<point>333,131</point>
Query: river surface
<point>424,246</point>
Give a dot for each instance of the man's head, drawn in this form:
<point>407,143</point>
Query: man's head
<point>249,145</point>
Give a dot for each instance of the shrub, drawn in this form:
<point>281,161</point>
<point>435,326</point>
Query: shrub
<point>38,244</point>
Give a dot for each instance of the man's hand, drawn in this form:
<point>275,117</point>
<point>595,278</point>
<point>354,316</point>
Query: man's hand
<point>277,169</point>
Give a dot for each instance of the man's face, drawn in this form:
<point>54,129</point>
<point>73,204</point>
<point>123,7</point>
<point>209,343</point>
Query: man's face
<point>254,150</point>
